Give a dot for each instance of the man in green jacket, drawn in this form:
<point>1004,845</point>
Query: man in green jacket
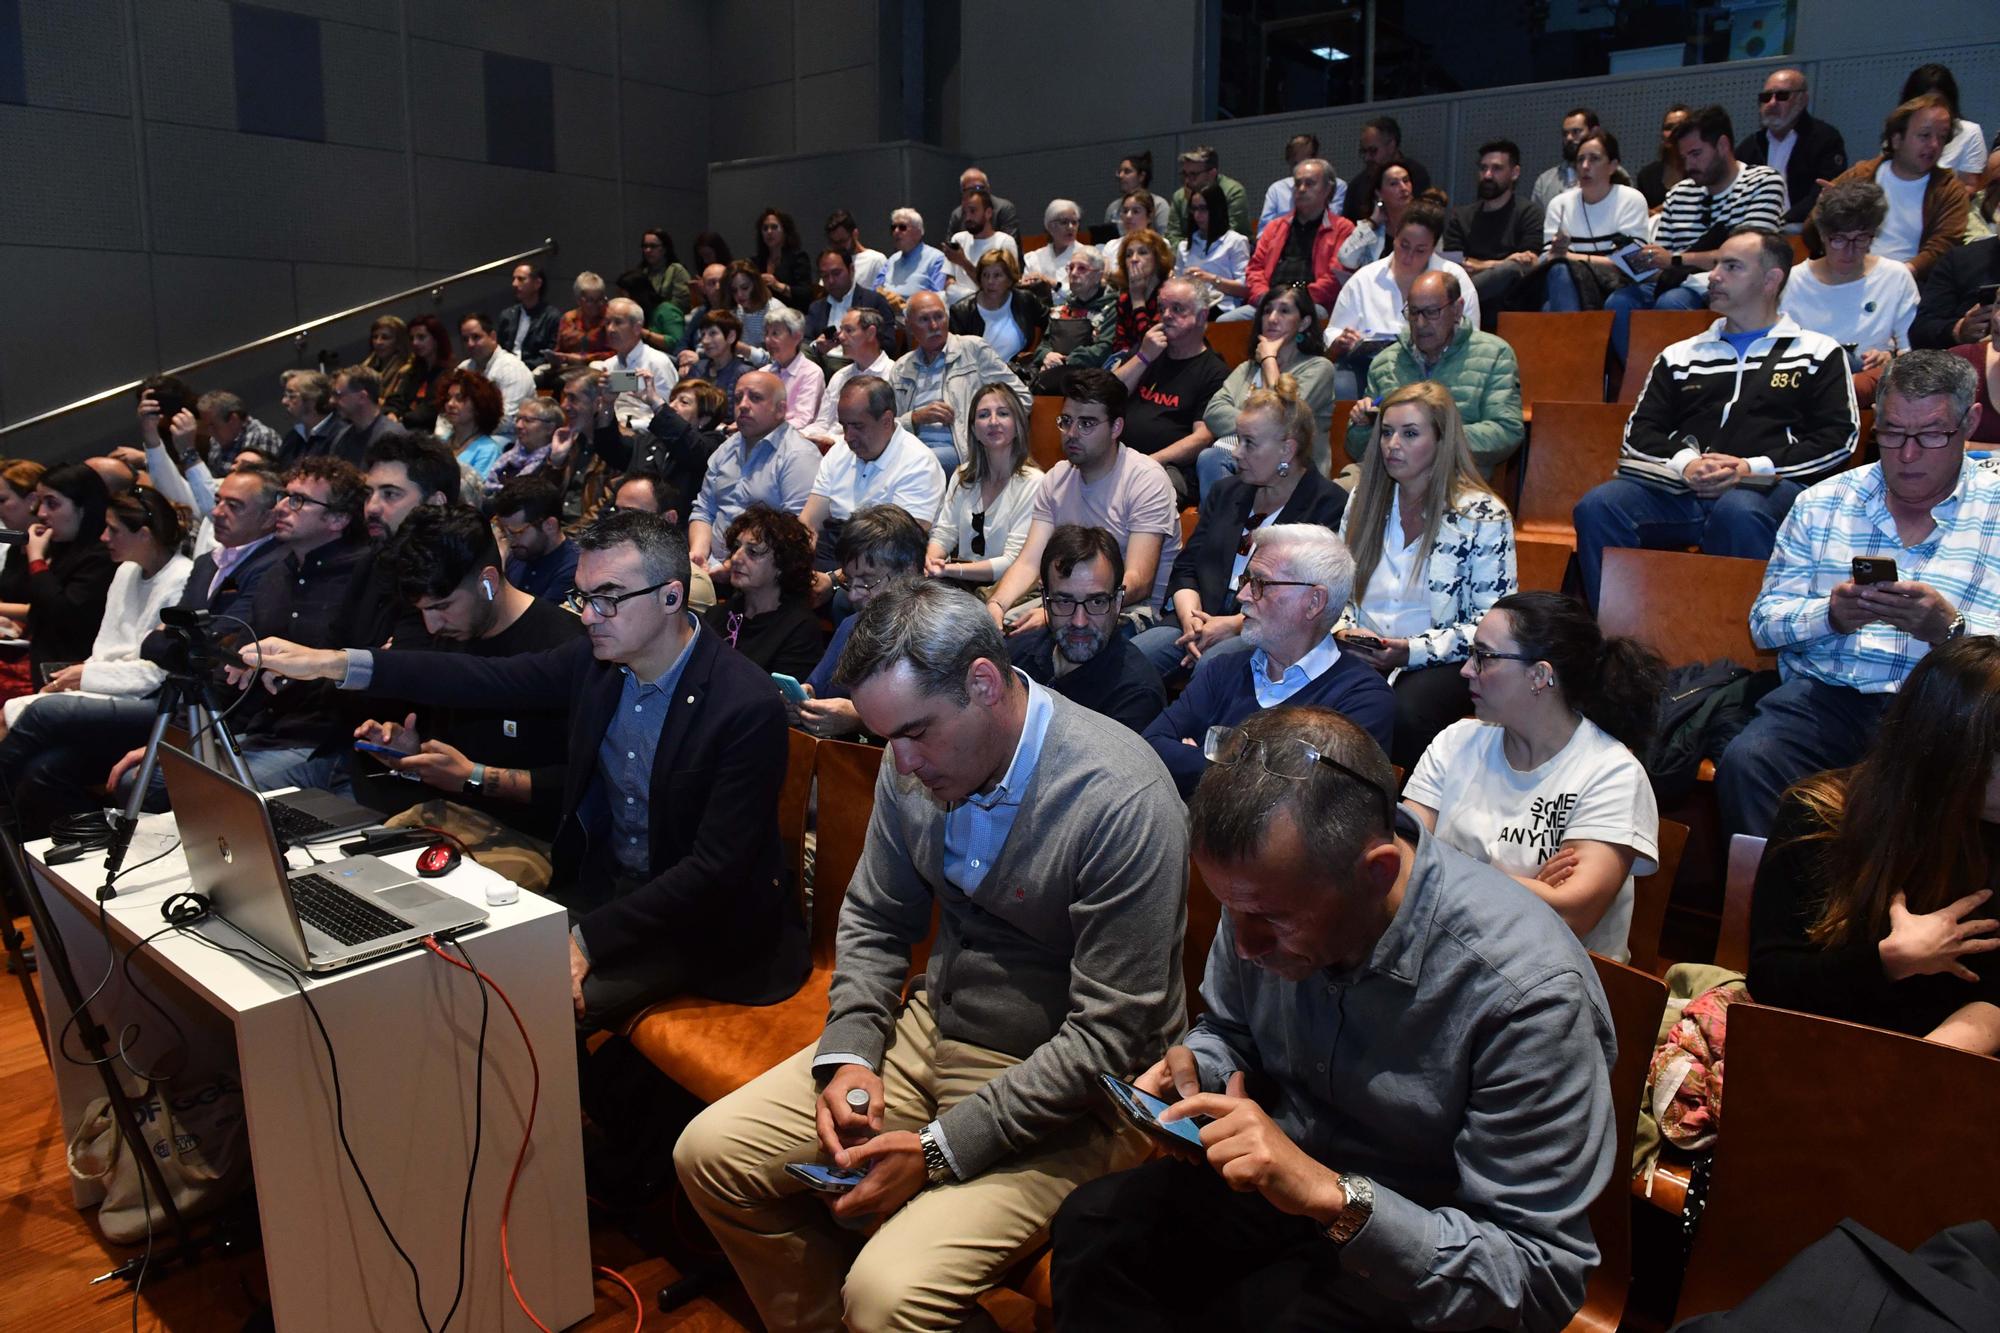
<point>1439,343</point>
<point>1201,168</point>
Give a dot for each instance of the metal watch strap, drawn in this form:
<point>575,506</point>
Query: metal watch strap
<point>1360,1192</point>
<point>477,778</point>
<point>937,1169</point>
<point>1955,630</point>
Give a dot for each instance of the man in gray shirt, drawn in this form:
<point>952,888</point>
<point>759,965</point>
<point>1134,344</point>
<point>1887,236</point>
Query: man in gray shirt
<point>1051,843</point>
<point>1404,1065</point>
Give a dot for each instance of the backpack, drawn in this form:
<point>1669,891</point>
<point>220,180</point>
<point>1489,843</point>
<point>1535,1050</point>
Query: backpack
<point>1702,708</point>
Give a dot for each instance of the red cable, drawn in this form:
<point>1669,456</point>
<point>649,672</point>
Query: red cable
<point>527,1133</point>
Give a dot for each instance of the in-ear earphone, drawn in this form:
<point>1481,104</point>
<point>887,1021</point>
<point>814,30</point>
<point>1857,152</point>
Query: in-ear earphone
<point>486,586</point>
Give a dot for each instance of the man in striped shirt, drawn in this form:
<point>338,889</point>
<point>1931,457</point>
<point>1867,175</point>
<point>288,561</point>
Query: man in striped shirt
<point>1718,195</point>
<point>1844,643</point>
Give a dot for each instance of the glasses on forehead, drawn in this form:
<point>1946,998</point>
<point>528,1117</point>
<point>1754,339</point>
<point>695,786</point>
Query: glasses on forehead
<point>1287,757</point>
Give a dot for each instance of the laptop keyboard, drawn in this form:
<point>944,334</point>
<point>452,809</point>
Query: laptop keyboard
<point>294,826</point>
<point>344,916</point>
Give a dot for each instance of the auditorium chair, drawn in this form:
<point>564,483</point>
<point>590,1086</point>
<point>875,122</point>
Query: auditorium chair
<point>1561,355</point>
<point>1575,446</point>
<point>1684,606</point>
<point>1337,437</point>
<point>711,1048</point>
<point>1189,517</point>
<point>1231,341</point>
<point>1044,437</point>
<point>794,799</point>
<point>1732,944</point>
<point>1653,331</point>
<point>1030,244</point>
<point>1826,1120</point>
<point>1541,564</point>
<point>1649,899</point>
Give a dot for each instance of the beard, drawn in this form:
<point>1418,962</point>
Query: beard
<point>1489,189</point>
<point>1569,152</point>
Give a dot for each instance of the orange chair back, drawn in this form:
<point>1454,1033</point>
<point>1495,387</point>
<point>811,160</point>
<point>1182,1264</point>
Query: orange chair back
<point>1573,447</point>
<point>1653,331</point>
<point>846,772</point>
<point>1030,244</point>
<point>1336,440</point>
<point>1684,606</point>
<point>1649,899</point>
<point>1562,355</point>
<point>1828,1120</point>
<point>1044,439</point>
<point>1541,563</point>
<point>1231,341</point>
<point>1732,944</point>
<point>794,798</point>
<point>1638,1001</point>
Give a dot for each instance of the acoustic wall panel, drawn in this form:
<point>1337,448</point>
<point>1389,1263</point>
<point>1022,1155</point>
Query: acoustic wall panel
<point>752,122</point>
<point>664,134</point>
<point>74,180</point>
<point>667,43</point>
<point>187,66</point>
<point>833,37</point>
<point>363,86</point>
<point>447,101</point>
<point>73,56</point>
<point>13,64</point>
<point>207,305</point>
<point>681,212</point>
<point>520,99</point>
<point>753,46</point>
<point>279,81</point>
<point>381,15</point>
<point>1086,173</point>
<point>578,33</point>
<point>107,305</point>
<point>867,181</point>
<point>836,109</point>
<point>585,120</point>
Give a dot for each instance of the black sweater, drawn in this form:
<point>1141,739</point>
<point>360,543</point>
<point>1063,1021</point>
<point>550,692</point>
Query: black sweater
<point>66,602</point>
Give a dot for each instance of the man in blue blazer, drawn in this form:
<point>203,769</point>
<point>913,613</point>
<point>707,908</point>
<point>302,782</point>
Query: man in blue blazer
<point>836,276</point>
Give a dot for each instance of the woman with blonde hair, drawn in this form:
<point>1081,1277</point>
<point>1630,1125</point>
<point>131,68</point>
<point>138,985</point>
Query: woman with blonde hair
<point>1433,551</point>
<point>389,356</point>
<point>990,499</point>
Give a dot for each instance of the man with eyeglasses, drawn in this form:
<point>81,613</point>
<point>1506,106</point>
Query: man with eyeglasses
<point>1732,424</point>
<point>1086,659</point>
<point>877,462</point>
<point>541,559</point>
<point>1298,581</point>
<point>316,428</point>
<point>666,849</point>
<point>861,333</point>
<point>1438,342</point>
<point>913,266</point>
<point>880,546</point>
<point>1431,1114</point>
<point>1792,142</point>
<point>1848,634</point>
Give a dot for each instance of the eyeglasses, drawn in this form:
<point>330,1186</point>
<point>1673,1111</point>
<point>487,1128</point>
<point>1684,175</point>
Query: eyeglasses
<point>979,533</point>
<point>1256,587</point>
<point>1286,757</point>
<point>299,500</point>
<point>1851,240</point>
<point>1425,313</point>
<point>867,585</point>
<point>1086,424</point>
<point>604,605</point>
<point>899,226</point>
<point>1482,656</point>
<point>1888,439</point>
<point>1062,605</point>
<point>1775,95</point>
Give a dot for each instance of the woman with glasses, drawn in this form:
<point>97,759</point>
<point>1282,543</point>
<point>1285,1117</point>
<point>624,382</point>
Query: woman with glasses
<point>1858,299</point>
<point>990,499</point>
<point>717,360</point>
<point>1045,269</point>
<point>1368,314</point>
<point>768,615</point>
<point>1874,899</point>
<point>1544,781</point>
<point>1588,223</point>
<point>1215,252</point>
<point>69,569</point>
<point>471,413</point>
<point>1433,551</point>
<point>1274,482</point>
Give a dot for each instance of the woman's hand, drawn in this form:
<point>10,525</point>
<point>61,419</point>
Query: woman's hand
<point>40,537</point>
<point>69,678</point>
<point>1392,654</point>
<point>1267,348</point>
<point>934,563</point>
<point>1937,941</point>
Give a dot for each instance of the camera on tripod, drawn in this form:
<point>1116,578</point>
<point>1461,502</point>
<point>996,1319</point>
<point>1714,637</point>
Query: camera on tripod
<point>189,648</point>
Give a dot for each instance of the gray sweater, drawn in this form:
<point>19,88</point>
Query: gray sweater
<point>1067,955</point>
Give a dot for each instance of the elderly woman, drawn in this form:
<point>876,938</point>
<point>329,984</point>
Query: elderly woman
<point>1215,253</point>
<point>580,336</point>
<point>1047,269</point>
<point>1086,323</point>
<point>1856,298</point>
<point>1009,319</point>
<point>541,443</point>
<point>804,381</point>
<point>913,266</point>
<point>768,616</point>
<point>1144,262</point>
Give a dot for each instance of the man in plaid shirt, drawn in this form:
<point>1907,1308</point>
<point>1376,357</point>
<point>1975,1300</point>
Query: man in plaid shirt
<point>1844,646</point>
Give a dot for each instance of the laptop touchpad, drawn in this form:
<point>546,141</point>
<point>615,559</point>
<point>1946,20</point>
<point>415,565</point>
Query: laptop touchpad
<point>408,897</point>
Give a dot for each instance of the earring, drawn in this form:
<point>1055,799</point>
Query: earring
<point>1285,469</point>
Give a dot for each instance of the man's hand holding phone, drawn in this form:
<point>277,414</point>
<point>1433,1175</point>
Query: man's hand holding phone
<point>1252,1153</point>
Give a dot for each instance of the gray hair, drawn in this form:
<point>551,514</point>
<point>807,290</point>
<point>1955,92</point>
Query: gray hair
<point>1856,205</point>
<point>222,403</point>
<point>786,318</point>
<point>1057,206</point>
<point>881,398</point>
<point>587,281</point>
<point>663,552</point>
<point>1090,255</point>
<point>1338,815</point>
<point>1312,554</point>
<point>909,215</point>
<point>1203,294</point>
<point>1201,155</point>
<point>1929,374</point>
<point>936,630</point>
<point>626,308</point>
<point>1324,167</point>
<point>541,409</point>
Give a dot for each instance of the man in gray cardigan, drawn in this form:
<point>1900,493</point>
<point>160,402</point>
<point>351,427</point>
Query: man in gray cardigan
<point>1053,844</point>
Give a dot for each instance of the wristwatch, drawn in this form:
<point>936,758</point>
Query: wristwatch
<point>937,1170</point>
<point>477,778</point>
<point>1955,630</point>
<point>1360,1191</point>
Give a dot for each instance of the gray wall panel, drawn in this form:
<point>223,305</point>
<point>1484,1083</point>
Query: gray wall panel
<point>752,46</point>
<point>1858,93</point>
<point>107,304</point>
<point>204,305</point>
<point>830,109</point>
<point>832,37</point>
<point>752,122</point>
<point>1086,173</point>
<point>448,100</point>
<point>363,73</point>
<point>681,212</point>
<point>867,181</point>
<point>667,42</point>
<point>384,15</point>
<point>73,181</point>
<point>576,33</point>
<point>665,131</point>
<point>186,66</point>
<point>75,56</point>
<point>587,222</point>
<point>585,114</point>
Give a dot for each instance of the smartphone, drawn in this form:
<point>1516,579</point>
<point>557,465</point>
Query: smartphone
<point>1874,569</point>
<point>825,1179</point>
<point>9,537</point>
<point>1143,1109</point>
<point>1368,641</point>
<point>622,381</point>
<point>370,747</point>
<point>789,687</point>
<point>1989,293</point>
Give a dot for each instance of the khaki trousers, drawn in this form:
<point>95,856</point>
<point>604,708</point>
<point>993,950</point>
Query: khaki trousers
<point>927,1264</point>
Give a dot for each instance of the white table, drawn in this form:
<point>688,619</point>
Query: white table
<point>405,1029</point>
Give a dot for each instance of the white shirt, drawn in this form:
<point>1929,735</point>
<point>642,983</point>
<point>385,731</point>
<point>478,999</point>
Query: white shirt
<point>957,277</point>
<point>1593,789</point>
<point>1872,312</point>
<point>828,420</point>
<point>1052,264</point>
<point>1395,608</point>
<point>1591,228</point>
<point>631,407</point>
<point>1778,152</point>
<point>1902,231</point>
<point>1371,302</point>
<point>511,376</point>
<point>906,473</point>
<point>868,266</point>
<point>1002,331</point>
<point>1228,256</point>
<point>1005,526</point>
<point>1966,151</point>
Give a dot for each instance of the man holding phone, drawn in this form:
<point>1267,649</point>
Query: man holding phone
<point>1402,1131</point>
<point>1872,569</point>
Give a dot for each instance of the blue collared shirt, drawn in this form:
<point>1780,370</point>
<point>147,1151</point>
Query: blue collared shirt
<point>1271,693</point>
<point>921,270</point>
<point>777,470</point>
<point>976,828</point>
<point>625,759</point>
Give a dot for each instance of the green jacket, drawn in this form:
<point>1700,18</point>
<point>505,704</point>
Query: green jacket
<point>1240,219</point>
<point>1484,379</point>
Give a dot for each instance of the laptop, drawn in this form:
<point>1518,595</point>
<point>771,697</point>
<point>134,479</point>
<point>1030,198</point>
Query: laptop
<point>318,919</point>
<point>307,815</point>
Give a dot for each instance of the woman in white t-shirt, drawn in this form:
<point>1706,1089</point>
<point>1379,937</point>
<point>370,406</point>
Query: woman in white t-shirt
<point>1544,783</point>
<point>989,501</point>
<point>1856,298</point>
<point>1586,225</point>
<point>1046,267</point>
<point>1216,253</point>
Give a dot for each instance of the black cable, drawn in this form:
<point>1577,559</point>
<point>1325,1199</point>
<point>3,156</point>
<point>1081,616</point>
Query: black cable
<point>146,1207</point>
<point>478,1131</point>
<point>285,970</point>
<point>111,966</point>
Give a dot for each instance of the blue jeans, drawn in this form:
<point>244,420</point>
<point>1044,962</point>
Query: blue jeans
<point>1561,289</point>
<point>1804,726</point>
<point>54,762</point>
<point>946,455</point>
<point>1643,296</point>
<point>1212,465</point>
<point>1743,521</point>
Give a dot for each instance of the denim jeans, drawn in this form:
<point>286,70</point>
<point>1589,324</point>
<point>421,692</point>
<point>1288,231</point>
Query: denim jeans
<point>1644,296</point>
<point>1742,521</point>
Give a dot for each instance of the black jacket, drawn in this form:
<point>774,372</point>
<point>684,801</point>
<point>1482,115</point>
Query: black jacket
<point>161,648</point>
<point>668,445</point>
<point>1820,154</point>
<point>1119,682</point>
<point>66,602</point>
<point>816,314</point>
<point>1029,313</point>
<point>1952,289</point>
<point>719,892</point>
<point>541,331</point>
<point>1205,561</point>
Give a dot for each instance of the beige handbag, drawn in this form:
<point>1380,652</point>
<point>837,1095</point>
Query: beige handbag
<point>195,1132</point>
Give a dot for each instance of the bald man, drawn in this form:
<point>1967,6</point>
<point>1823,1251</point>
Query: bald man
<point>765,462</point>
<point>1791,142</point>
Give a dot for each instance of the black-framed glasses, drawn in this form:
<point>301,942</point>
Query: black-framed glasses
<point>1425,313</point>
<point>1888,439</point>
<point>604,605</point>
<point>1066,421</point>
<point>1481,656</point>
<point>1775,95</point>
<point>1062,606</point>
<point>1287,757</point>
<point>1256,586</point>
<point>299,500</point>
<point>979,533</point>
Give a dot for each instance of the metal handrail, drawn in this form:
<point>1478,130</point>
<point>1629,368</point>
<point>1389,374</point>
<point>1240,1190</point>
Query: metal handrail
<point>298,332</point>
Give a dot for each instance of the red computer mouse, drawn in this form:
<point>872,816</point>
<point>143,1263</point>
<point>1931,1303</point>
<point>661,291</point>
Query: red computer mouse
<point>440,858</point>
